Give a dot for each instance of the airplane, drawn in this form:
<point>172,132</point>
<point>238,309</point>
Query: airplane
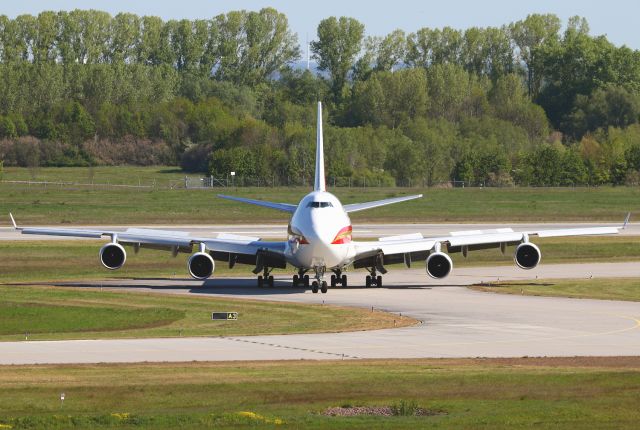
<point>319,241</point>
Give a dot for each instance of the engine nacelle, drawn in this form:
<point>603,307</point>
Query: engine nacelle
<point>113,256</point>
<point>527,256</point>
<point>439,265</point>
<point>201,265</point>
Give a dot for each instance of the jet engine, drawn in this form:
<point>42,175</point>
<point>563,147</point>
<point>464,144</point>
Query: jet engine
<point>201,265</point>
<point>439,265</point>
<point>527,256</point>
<point>113,256</point>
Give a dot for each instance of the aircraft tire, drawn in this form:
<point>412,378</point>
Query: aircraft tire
<point>323,288</point>
<point>314,287</point>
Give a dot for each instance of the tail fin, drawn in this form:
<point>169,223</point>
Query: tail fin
<point>319,184</point>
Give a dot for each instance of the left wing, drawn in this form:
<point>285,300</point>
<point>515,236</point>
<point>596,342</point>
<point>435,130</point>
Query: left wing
<point>399,249</point>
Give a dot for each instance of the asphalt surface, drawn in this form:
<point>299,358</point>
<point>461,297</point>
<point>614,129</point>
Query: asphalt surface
<point>361,231</point>
<point>455,321</point>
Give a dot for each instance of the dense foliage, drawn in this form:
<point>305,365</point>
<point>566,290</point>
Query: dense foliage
<point>527,103</point>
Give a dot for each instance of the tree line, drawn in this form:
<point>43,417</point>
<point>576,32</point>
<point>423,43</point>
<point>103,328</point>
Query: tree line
<point>527,103</point>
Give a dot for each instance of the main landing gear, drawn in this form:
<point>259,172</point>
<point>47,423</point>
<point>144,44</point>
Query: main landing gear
<point>373,280</point>
<point>301,278</point>
<point>266,277</point>
<point>338,279</point>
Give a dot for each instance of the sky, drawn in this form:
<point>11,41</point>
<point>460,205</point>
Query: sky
<point>615,18</point>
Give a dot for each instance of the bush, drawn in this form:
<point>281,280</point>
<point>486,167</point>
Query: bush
<point>405,408</point>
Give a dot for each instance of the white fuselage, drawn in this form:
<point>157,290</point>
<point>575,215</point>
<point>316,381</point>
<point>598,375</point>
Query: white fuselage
<point>320,233</point>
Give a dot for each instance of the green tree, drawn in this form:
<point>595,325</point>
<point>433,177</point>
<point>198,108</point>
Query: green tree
<point>391,51</point>
<point>391,98</point>
<point>125,36</point>
<point>339,42</point>
<point>531,35</point>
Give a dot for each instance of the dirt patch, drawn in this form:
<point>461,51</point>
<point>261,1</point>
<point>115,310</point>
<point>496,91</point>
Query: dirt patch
<point>380,411</point>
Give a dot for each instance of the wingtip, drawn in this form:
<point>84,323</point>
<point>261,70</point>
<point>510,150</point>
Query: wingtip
<point>13,221</point>
<point>626,220</point>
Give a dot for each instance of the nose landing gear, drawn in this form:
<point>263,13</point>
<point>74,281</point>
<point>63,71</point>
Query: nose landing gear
<point>319,283</point>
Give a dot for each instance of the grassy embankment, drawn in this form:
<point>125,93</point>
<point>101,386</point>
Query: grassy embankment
<point>463,394</point>
<point>72,313</point>
<point>68,260</point>
<point>603,289</point>
<point>87,205</point>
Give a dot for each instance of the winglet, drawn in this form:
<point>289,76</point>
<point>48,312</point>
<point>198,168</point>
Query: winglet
<point>626,220</point>
<point>13,221</point>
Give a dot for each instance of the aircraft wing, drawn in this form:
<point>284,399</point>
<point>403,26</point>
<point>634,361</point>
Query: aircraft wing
<point>468,240</point>
<point>175,241</point>
<point>284,207</point>
<point>355,207</point>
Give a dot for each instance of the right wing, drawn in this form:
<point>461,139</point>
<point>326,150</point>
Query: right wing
<point>285,207</point>
<point>223,248</point>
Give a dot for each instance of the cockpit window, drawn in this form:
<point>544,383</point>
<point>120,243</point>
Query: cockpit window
<point>319,205</point>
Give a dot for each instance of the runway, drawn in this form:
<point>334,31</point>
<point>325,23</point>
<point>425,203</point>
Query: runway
<point>361,231</point>
<point>455,322</point>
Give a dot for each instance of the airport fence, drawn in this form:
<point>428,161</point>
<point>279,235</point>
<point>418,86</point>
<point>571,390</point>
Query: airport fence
<point>194,182</point>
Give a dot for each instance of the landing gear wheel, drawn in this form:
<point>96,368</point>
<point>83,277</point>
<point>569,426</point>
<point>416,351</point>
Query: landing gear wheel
<point>270,281</point>
<point>367,281</point>
<point>314,287</point>
<point>333,281</point>
<point>260,282</point>
<point>323,288</point>
<point>306,281</point>
<point>296,279</point>
<point>379,281</point>
<point>344,281</point>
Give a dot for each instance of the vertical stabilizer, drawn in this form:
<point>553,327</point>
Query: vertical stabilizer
<point>319,184</point>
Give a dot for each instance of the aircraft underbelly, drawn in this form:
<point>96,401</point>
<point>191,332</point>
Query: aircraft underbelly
<point>329,256</point>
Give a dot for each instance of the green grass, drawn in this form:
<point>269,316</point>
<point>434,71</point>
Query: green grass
<point>39,318</point>
<point>72,313</point>
<point>602,289</point>
<point>86,205</point>
<point>71,260</point>
<point>469,394</point>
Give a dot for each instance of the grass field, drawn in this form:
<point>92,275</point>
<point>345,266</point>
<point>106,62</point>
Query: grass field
<point>86,205</point>
<point>603,289</point>
<point>72,313</point>
<point>69,260</point>
<point>464,394</point>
